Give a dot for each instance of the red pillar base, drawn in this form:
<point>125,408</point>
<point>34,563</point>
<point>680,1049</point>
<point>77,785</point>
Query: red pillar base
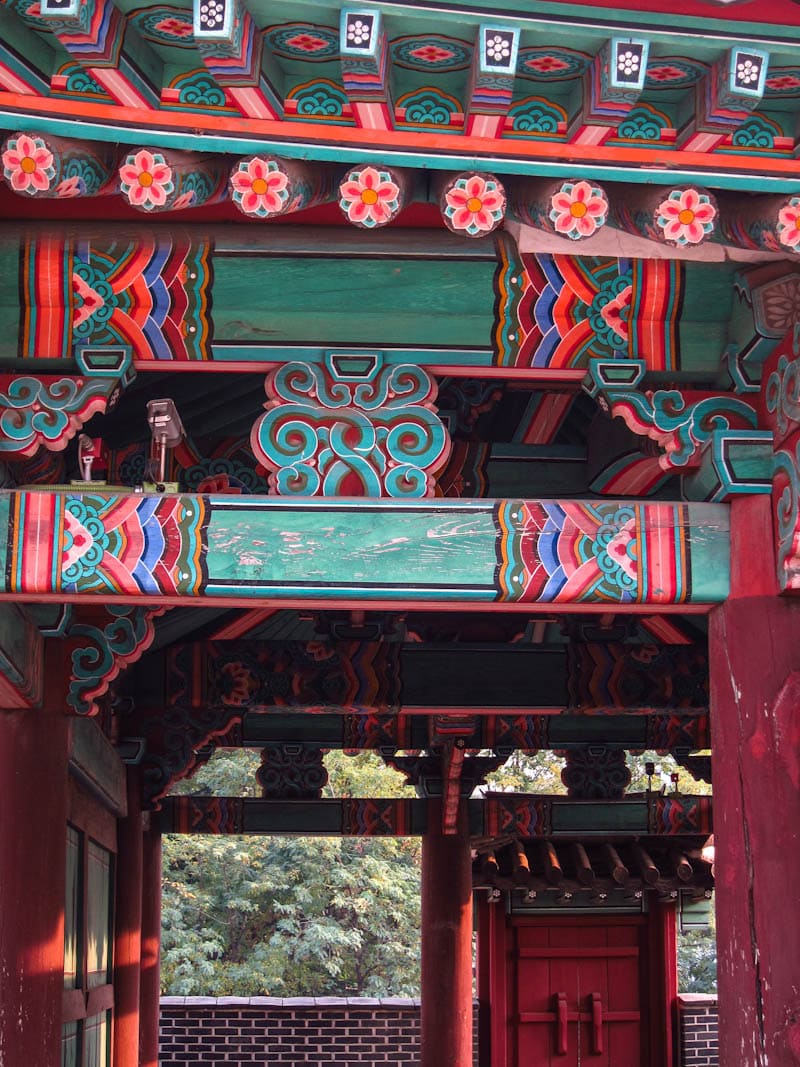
<point>446,944</point>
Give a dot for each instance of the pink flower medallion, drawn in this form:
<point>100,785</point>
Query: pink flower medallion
<point>578,209</point>
<point>369,197</point>
<point>146,180</point>
<point>475,204</point>
<point>788,227</point>
<point>28,165</point>
<point>259,187</point>
<point>686,217</point>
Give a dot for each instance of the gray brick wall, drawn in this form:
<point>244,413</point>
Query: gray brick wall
<point>212,1031</point>
<point>698,1028</point>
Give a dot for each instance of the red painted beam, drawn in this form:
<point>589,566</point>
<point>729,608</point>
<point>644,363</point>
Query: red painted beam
<point>417,142</point>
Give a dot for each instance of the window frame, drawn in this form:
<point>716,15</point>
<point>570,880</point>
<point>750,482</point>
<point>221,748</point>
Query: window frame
<point>93,824</point>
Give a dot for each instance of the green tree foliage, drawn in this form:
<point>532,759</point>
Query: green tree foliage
<point>283,916</point>
<point>286,916</point>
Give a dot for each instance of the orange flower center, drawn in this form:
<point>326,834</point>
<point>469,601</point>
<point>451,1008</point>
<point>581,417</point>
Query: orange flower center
<point>686,217</point>
<point>577,210</point>
<point>259,186</point>
<point>474,204</point>
<point>28,165</point>
<point>797,223</point>
<point>146,179</point>
<point>369,196</point>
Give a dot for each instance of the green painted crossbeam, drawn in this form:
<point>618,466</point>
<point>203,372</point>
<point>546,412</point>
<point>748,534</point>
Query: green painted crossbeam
<point>168,548</point>
<point>523,815</point>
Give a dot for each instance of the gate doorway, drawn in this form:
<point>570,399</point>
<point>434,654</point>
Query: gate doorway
<point>579,991</point>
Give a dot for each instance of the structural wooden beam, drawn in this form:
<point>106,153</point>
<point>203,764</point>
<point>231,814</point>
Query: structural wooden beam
<point>491,81</point>
<point>576,208</point>
<point>232,48</point>
<point>385,678</point>
<point>99,37</point>
<point>366,68</point>
<point>26,60</point>
<point>472,204</point>
<point>611,87</point>
<point>373,195</point>
<point>155,181</point>
<point>51,167</point>
<point>519,815</point>
<point>265,186</point>
<point>680,216</point>
<point>193,548</point>
<point>725,97</point>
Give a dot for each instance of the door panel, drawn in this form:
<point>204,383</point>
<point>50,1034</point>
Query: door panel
<point>576,993</point>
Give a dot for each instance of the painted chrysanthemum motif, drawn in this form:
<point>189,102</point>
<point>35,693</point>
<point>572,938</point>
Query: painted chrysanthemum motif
<point>686,217</point>
<point>259,188</point>
<point>28,165</point>
<point>789,224</point>
<point>369,197</point>
<point>475,205</point>
<point>146,179</point>
<point>578,209</point>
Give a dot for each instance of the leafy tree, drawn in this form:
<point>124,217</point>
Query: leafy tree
<point>287,916</point>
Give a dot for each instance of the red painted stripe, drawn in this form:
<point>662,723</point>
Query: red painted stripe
<point>401,140</point>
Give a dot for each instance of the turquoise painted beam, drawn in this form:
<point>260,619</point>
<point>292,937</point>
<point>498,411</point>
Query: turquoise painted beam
<point>171,548</point>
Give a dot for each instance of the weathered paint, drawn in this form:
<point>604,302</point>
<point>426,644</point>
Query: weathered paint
<point>507,551</point>
<point>755,697</point>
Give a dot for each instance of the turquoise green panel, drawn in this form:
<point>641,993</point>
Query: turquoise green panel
<point>9,300</point>
<point>353,300</point>
<point>710,552</point>
<point>369,550</point>
<point>619,815</point>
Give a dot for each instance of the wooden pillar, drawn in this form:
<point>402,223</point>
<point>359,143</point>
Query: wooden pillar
<point>128,930</point>
<point>662,978</point>
<point>493,982</point>
<point>150,983</point>
<point>446,943</point>
<point>33,785</point>
<point>755,714</point>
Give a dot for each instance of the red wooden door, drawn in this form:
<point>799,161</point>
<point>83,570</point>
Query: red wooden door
<point>576,990</point>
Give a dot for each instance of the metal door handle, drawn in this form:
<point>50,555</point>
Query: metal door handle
<point>561,1015</point>
<point>597,1024</point>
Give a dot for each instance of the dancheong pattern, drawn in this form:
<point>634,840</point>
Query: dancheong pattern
<point>580,551</point>
<point>111,544</point>
<point>557,311</point>
<point>149,295</point>
<point>234,545</point>
<point>332,431</point>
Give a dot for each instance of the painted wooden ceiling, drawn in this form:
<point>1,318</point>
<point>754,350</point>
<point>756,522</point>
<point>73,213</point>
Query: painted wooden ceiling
<point>428,85</point>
